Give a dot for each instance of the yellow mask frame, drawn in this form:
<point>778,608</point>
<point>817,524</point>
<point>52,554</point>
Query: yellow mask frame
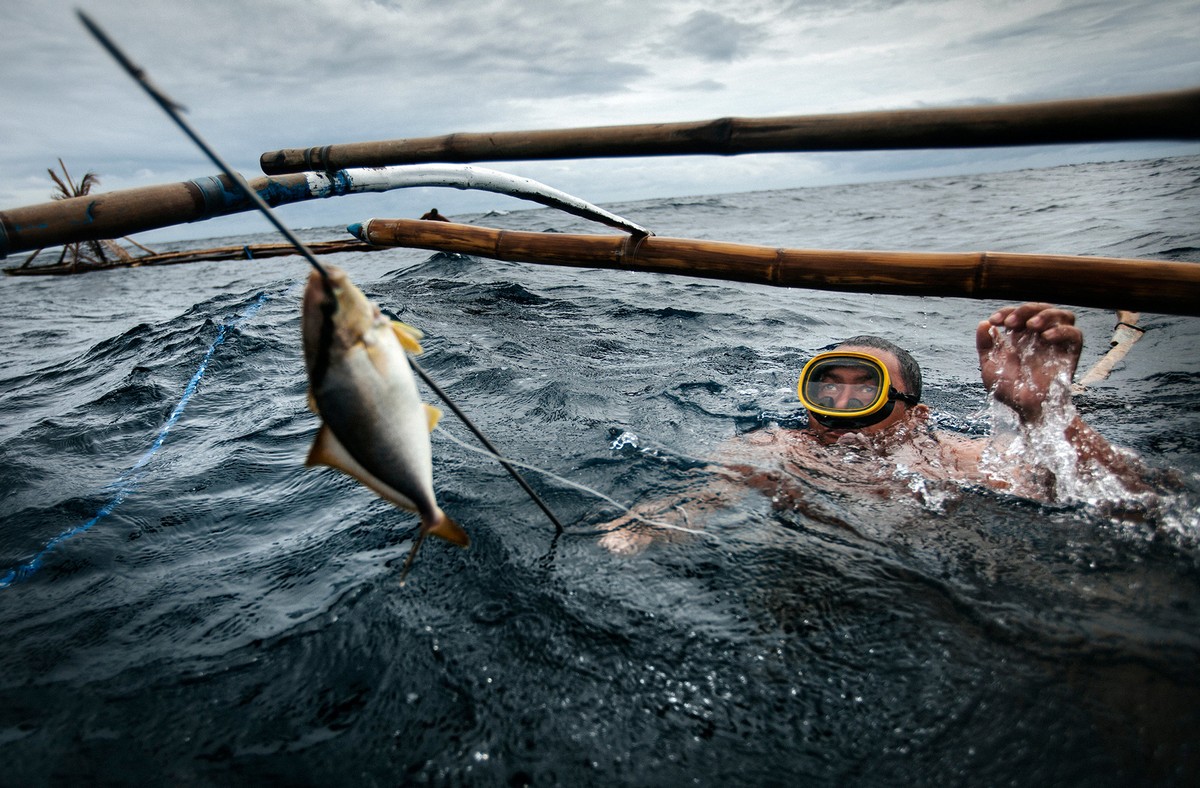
<point>863,385</point>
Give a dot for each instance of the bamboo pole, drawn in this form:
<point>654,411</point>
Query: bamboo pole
<point>1125,335</point>
<point>1168,115</point>
<point>244,252</point>
<point>1150,285</point>
<point>115,214</point>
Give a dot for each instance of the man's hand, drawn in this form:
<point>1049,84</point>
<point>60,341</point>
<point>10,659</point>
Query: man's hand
<point>1025,352</point>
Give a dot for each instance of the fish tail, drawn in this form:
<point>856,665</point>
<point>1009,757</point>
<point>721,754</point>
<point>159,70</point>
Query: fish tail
<point>440,526</point>
<point>443,527</point>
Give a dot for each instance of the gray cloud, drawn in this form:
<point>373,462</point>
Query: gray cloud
<point>708,85</point>
<point>716,37</point>
<point>260,75</point>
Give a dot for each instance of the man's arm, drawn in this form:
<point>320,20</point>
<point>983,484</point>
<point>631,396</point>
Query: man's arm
<point>723,484</point>
<point>1027,357</point>
<point>684,512</point>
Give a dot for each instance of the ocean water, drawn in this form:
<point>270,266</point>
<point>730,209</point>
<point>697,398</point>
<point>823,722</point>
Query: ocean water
<point>182,602</point>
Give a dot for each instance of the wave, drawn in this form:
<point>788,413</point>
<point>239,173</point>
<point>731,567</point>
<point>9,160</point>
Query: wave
<point>241,611</point>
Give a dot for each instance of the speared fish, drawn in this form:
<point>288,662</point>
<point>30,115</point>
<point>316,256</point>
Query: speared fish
<point>374,426</point>
<point>360,380</point>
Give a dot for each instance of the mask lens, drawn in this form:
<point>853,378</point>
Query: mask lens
<point>845,385</point>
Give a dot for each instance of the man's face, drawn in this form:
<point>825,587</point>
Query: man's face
<point>845,387</point>
<point>850,383</point>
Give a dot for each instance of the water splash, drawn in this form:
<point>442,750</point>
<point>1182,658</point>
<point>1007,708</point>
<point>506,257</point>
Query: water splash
<point>928,494</point>
<point>1035,457</point>
<point>624,439</point>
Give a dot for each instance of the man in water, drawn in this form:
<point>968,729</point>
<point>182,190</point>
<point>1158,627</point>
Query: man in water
<point>1027,357</point>
<point>864,400</point>
<point>432,215</point>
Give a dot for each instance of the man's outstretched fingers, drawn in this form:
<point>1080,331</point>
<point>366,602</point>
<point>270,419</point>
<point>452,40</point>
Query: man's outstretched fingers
<point>1018,316</point>
<point>984,341</point>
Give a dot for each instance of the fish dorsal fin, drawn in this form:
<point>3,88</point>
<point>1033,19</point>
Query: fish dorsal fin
<point>413,331</point>
<point>432,415</point>
<point>410,338</point>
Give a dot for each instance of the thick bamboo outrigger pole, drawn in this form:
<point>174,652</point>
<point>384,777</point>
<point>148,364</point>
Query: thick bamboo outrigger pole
<point>1147,285</point>
<point>1153,116</point>
<point>120,213</point>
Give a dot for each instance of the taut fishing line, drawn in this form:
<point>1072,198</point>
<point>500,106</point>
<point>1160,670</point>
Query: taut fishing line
<point>569,483</point>
<point>129,481</point>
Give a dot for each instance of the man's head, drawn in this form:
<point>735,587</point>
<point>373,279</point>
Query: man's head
<point>850,386</point>
<point>908,368</point>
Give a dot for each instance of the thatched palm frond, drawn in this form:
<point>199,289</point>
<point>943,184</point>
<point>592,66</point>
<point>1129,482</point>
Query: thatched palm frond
<point>90,179</point>
<point>63,191</point>
<point>67,188</point>
<point>88,252</point>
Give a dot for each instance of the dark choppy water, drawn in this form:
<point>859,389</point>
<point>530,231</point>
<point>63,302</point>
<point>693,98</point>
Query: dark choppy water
<point>234,618</point>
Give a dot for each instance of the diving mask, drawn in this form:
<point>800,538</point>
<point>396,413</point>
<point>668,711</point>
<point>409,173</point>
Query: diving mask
<point>845,388</point>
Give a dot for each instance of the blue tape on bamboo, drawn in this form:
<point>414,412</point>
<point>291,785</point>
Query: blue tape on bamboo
<point>128,482</point>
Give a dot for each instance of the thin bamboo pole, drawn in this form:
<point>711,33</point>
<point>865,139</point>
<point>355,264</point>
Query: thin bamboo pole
<point>244,252</point>
<point>1125,335</point>
<point>1149,285</point>
<point>1168,115</point>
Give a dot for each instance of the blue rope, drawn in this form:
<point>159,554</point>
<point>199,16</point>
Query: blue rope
<point>128,482</point>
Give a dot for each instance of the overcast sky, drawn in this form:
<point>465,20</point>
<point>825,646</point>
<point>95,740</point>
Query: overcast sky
<point>260,75</point>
